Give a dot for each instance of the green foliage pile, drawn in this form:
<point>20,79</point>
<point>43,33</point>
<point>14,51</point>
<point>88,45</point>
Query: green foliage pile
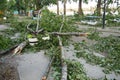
<point>54,53</point>
<point>78,17</point>
<point>19,26</point>
<point>52,22</point>
<point>94,35</point>
<point>110,46</point>
<point>76,71</point>
<point>111,22</point>
<point>49,21</point>
<point>5,43</point>
<point>15,27</point>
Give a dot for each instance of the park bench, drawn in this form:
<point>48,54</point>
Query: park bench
<point>91,20</point>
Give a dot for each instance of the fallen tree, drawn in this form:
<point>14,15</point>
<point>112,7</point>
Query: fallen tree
<point>69,34</point>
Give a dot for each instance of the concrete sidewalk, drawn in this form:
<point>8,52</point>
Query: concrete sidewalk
<point>2,27</point>
<point>32,66</point>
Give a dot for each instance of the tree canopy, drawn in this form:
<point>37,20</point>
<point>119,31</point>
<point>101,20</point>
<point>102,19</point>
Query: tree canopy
<point>3,5</point>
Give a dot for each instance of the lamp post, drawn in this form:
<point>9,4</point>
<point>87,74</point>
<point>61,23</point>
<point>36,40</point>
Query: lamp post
<point>104,11</point>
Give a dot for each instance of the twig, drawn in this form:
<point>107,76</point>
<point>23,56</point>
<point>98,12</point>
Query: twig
<point>38,20</point>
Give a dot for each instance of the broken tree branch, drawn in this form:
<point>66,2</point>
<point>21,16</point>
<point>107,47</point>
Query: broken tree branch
<point>19,48</point>
<point>69,34</point>
<point>7,51</point>
<point>38,20</point>
<point>45,76</point>
<point>15,49</point>
<point>64,65</point>
<point>32,31</point>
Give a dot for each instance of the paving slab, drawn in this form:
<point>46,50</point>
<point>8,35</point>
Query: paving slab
<point>92,71</point>
<point>2,27</point>
<point>32,66</point>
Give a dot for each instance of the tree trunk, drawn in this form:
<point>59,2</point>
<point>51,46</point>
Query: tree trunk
<point>65,7</point>
<point>57,7</point>
<point>99,7</point>
<point>70,34</point>
<point>80,11</point>
<point>64,65</point>
<point>37,4</point>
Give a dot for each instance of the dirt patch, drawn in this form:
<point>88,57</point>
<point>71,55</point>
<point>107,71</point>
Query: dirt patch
<point>8,72</point>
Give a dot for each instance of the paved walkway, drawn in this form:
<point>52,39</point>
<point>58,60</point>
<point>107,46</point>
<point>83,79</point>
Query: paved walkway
<point>2,27</point>
<point>30,66</point>
<point>92,71</point>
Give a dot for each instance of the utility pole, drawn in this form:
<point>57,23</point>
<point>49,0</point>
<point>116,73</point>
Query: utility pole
<point>104,11</point>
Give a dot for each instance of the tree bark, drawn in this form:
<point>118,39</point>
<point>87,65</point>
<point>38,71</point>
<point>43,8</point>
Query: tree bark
<point>99,7</point>
<point>64,65</point>
<point>57,7</point>
<point>69,34</point>
<point>15,49</point>
<point>7,51</point>
<point>65,7</point>
<point>80,11</point>
<point>45,76</point>
<point>19,48</point>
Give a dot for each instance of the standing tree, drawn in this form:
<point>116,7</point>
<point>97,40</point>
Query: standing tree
<point>58,7</point>
<point>80,11</point>
<point>98,10</point>
<point>65,7</point>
